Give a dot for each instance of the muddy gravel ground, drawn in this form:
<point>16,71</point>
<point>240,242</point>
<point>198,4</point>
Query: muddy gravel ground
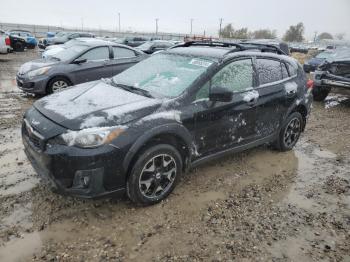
<point>259,205</point>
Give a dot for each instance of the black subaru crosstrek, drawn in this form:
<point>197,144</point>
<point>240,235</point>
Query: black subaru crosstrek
<point>140,130</point>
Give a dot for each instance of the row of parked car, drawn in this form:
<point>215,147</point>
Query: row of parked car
<point>16,40</point>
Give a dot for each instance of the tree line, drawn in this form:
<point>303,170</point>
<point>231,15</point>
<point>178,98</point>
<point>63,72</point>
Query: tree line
<point>295,33</point>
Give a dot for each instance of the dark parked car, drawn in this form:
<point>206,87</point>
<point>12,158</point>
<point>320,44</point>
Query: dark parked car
<point>31,41</point>
<point>333,73</point>
<point>150,47</point>
<point>62,37</point>
<point>17,43</point>
<point>134,41</point>
<point>140,131</point>
<point>87,61</point>
<point>298,48</point>
<point>311,64</point>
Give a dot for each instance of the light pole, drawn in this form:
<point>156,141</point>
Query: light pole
<point>157,26</point>
<point>82,24</point>
<point>191,25</point>
<point>220,27</point>
<point>119,21</point>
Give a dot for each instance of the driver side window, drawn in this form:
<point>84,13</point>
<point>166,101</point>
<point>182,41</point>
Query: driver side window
<point>236,76</point>
<point>98,53</point>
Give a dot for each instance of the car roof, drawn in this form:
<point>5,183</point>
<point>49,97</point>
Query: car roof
<point>201,51</point>
<point>225,53</point>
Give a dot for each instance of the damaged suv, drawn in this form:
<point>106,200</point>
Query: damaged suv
<point>333,73</point>
<point>140,130</point>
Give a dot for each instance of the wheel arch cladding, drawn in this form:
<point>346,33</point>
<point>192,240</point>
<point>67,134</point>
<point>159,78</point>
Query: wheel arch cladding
<point>303,111</point>
<point>172,134</point>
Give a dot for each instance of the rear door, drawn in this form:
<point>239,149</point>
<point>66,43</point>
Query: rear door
<point>271,106</point>
<point>123,58</point>
<point>96,66</point>
<point>223,125</point>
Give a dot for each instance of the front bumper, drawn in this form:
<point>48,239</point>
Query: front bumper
<point>36,85</point>
<point>86,173</point>
<point>327,80</point>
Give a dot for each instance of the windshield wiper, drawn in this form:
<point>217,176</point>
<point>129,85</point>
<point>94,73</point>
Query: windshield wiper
<point>133,89</point>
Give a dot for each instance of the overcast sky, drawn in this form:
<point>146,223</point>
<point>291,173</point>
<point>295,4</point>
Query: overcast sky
<point>174,16</point>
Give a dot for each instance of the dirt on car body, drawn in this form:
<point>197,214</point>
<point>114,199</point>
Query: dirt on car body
<point>256,205</point>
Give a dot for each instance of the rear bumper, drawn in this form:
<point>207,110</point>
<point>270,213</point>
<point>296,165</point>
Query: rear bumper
<point>85,173</point>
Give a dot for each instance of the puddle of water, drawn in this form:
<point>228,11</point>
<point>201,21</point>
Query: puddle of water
<point>16,174</point>
<point>314,166</point>
<point>8,85</point>
<point>21,249</point>
<point>22,216</point>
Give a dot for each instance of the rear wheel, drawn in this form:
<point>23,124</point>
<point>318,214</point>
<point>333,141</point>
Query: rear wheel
<point>19,47</point>
<point>154,175</point>
<point>58,84</point>
<point>290,132</point>
<point>320,93</point>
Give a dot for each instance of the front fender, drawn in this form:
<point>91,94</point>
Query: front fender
<point>170,128</point>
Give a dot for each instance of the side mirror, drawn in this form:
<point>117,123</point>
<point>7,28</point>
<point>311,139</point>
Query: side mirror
<point>220,94</point>
<point>79,61</point>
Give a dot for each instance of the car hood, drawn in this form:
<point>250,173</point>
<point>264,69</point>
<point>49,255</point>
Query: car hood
<point>95,104</point>
<point>35,64</point>
<point>315,61</point>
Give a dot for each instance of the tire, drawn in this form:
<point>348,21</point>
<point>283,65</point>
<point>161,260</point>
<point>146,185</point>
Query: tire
<point>154,174</point>
<point>18,47</point>
<point>290,132</point>
<point>57,84</point>
<point>320,93</point>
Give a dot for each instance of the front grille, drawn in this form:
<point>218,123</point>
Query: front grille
<point>33,136</point>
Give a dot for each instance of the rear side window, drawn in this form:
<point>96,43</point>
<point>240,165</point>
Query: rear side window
<point>269,71</point>
<point>98,53</point>
<point>120,52</point>
<point>284,71</point>
<point>292,69</point>
<point>236,76</point>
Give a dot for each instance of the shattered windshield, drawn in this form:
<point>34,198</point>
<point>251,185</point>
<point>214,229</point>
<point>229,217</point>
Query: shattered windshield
<point>164,74</point>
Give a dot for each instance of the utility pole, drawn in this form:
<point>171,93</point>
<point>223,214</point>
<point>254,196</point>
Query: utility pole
<point>191,25</point>
<point>119,21</point>
<point>157,26</point>
<point>82,24</point>
<point>220,27</point>
<point>315,36</point>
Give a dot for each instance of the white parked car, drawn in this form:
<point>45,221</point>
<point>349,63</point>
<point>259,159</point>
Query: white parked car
<point>4,43</point>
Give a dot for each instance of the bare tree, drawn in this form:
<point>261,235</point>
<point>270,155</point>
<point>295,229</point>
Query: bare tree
<point>264,34</point>
<point>324,35</point>
<point>295,33</point>
<point>229,32</point>
<point>340,36</point>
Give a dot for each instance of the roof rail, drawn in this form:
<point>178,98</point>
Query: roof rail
<point>263,47</point>
<point>210,43</point>
<point>242,46</point>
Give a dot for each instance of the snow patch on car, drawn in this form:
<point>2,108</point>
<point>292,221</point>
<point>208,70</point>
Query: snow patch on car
<point>291,87</point>
<point>247,97</point>
<point>92,121</point>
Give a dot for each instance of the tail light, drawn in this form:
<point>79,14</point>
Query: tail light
<point>7,41</point>
<point>310,84</point>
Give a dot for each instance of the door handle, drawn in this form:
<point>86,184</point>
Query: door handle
<point>252,101</point>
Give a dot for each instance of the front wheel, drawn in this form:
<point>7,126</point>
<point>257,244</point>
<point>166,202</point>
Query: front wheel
<point>290,132</point>
<point>154,175</point>
<point>57,84</point>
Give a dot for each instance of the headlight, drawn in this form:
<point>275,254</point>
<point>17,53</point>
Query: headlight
<point>38,72</point>
<point>91,137</point>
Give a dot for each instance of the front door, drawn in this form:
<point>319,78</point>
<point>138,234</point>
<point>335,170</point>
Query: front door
<point>95,67</point>
<point>222,125</point>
